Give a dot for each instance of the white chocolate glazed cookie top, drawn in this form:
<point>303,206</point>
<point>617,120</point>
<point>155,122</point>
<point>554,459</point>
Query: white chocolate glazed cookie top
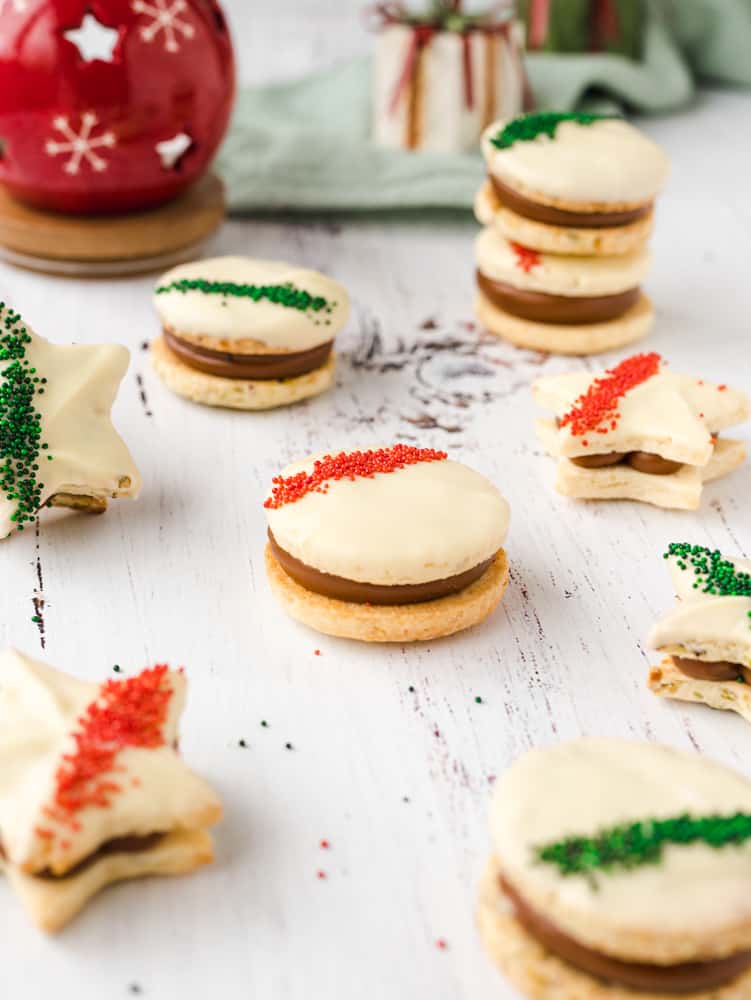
<point>554,274</point>
<point>239,316</point>
<point>668,414</point>
<point>88,457</point>
<point>702,626</point>
<point>584,787</point>
<point>40,709</point>
<point>606,162</point>
<point>424,522</point>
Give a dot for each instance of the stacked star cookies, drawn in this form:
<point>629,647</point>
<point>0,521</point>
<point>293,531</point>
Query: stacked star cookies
<point>620,870</point>
<point>706,638</point>
<point>388,545</point>
<point>58,447</point>
<point>92,788</point>
<point>247,334</point>
<point>567,207</point>
<point>639,432</point>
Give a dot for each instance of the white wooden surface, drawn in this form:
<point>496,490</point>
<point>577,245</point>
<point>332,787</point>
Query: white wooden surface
<point>397,780</point>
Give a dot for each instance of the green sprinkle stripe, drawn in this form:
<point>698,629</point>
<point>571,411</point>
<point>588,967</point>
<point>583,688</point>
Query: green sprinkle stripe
<point>286,295</point>
<point>20,423</point>
<point>712,573</point>
<point>526,128</point>
<point>634,844</point>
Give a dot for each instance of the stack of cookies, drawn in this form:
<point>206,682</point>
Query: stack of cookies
<point>567,206</point>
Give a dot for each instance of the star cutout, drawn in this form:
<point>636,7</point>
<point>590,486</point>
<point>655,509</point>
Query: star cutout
<point>711,624</point>
<point>172,150</point>
<point>93,39</point>
<point>85,765</point>
<point>69,454</point>
<point>671,415</point>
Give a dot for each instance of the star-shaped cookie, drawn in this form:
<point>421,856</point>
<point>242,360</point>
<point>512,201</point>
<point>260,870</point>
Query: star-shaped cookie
<point>57,442</point>
<point>639,432</point>
<point>706,638</point>
<point>92,786</point>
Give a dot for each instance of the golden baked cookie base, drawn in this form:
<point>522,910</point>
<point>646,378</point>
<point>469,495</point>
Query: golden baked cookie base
<point>681,490</point>
<point>667,681</point>
<point>540,975</point>
<point>401,623</point>
<point>571,241</point>
<point>591,338</point>
<point>52,903</point>
<point>234,393</point>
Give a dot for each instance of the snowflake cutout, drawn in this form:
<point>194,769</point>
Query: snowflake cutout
<point>19,6</point>
<point>80,145</point>
<point>165,18</point>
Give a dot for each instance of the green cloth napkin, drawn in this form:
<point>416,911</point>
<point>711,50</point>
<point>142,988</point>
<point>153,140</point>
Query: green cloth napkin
<point>305,146</point>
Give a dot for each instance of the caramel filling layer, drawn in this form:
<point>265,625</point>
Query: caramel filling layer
<point>355,592</point>
<point>685,978</point>
<point>118,845</point>
<point>540,307</point>
<point>642,461</point>
<point>718,670</point>
<point>552,216</point>
<point>258,367</point>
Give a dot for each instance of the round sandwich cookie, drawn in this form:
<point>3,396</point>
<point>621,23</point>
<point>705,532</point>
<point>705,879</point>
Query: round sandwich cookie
<point>394,544</point>
<point>564,305</point>
<point>620,871</point>
<point>247,334</point>
<point>569,172</point>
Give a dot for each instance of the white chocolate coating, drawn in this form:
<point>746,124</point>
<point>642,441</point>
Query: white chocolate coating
<point>670,415</point>
<point>89,458</point>
<point>580,788</point>
<point>702,626</point>
<point>606,163</point>
<point>39,712</point>
<point>577,277</point>
<point>425,522</point>
<point>240,318</point>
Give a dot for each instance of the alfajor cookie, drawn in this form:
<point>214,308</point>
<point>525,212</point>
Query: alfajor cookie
<point>620,871</point>
<point>572,183</point>
<point>706,638</point>
<point>247,334</point>
<point>639,432</point>
<point>395,544</point>
<point>560,304</point>
<point>58,446</point>
<point>92,787</point>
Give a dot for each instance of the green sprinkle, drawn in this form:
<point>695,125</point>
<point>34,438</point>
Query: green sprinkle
<point>264,723</point>
<point>526,128</point>
<point>20,422</point>
<point>634,844</point>
<point>713,574</point>
<point>478,700</point>
<point>286,295</point>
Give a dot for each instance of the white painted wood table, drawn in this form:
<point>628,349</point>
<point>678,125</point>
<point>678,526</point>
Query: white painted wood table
<point>392,760</point>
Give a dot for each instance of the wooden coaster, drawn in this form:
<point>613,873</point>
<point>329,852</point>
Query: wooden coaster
<point>111,245</point>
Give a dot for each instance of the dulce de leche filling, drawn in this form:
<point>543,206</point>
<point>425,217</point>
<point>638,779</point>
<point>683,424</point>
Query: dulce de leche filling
<point>552,216</point>
<point>356,592</point>
<point>541,307</point>
<point>133,844</point>
<point>248,366</point>
<point>717,670</point>
<point>684,978</point>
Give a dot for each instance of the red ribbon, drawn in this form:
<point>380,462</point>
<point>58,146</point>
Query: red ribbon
<point>386,14</point>
<point>603,23</point>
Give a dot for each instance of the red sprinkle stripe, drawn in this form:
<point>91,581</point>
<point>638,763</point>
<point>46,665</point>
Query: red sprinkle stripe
<point>599,404</point>
<point>126,713</point>
<point>363,464</point>
<point>526,258</point>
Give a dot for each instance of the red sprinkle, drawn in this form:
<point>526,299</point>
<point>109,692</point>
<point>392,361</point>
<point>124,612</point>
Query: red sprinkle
<point>317,652</point>
<point>721,388</point>
<point>324,845</point>
<point>600,402</point>
<point>526,259</point>
<point>126,713</point>
<point>364,464</point>
<point>320,874</point>
<point>441,944</point>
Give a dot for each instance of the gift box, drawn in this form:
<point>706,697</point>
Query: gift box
<point>440,78</point>
<point>615,26</point>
